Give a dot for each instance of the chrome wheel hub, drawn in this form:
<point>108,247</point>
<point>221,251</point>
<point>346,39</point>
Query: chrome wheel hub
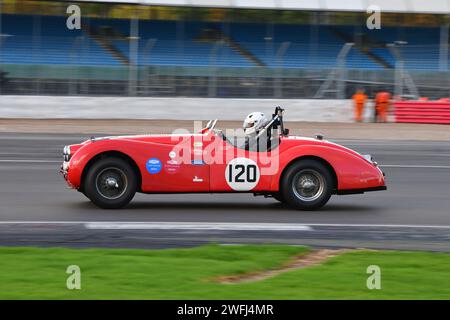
<point>308,185</point>
<point>111,183</point>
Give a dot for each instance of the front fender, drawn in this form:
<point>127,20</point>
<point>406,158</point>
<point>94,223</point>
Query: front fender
<point>351,169</point>
<point>82,156</point>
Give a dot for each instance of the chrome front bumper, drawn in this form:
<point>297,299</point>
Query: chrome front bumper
<point>64,170</point>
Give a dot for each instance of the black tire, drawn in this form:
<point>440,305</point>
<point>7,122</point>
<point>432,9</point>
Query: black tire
<point>110,183</point>
<point>306,185</point>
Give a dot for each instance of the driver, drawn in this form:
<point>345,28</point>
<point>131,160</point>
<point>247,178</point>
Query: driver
<point>253,124</point>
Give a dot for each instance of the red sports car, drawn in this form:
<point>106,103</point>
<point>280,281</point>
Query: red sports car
<point>301,172</point>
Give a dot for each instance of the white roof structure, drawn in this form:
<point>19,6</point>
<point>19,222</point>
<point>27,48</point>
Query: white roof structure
<point>400,6</point>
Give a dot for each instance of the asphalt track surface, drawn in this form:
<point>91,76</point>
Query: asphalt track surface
<point>36,208</point>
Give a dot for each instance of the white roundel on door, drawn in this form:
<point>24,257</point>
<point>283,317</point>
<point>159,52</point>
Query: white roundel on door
<point>242,174</point>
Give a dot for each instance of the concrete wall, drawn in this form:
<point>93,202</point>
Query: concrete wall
<point>46,107</point>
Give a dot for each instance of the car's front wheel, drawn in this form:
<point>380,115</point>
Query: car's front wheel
<point>110,183</point>
<point>307,185</point>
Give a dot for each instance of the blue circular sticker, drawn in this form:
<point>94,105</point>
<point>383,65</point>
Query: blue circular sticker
<point>153,165</point>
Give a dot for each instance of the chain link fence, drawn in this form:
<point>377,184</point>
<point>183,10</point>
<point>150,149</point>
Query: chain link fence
<point>433,85</point>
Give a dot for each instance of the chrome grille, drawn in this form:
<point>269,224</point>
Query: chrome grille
<point>66,153</point>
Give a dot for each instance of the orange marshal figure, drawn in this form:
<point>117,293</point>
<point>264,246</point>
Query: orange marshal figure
<point>382,102</point>
<point>359,100</point>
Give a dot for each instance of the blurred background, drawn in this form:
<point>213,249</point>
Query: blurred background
<point>237,49</point>
<point>150,66</point>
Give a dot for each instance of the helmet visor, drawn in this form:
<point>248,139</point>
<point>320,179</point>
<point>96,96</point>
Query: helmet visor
<point>249,125</point>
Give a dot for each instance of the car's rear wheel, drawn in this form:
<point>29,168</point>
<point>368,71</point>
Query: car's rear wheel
<point>307,185</point>
<point>110,183</point>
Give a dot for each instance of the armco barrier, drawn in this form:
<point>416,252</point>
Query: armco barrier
<point>422,111</point>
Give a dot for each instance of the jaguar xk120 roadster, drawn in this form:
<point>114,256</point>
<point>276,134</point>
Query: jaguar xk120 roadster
<point>301,172</point>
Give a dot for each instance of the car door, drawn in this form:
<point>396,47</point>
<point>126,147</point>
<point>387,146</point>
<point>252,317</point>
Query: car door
<point>177,167</point>
<point>238,170</point>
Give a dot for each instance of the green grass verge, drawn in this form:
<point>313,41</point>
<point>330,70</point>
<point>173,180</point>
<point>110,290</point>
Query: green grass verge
<point>40,273</point>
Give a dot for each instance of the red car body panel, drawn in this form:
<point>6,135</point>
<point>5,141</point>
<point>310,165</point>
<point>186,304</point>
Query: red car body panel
<point>351,169</point>
<point>199,174</point>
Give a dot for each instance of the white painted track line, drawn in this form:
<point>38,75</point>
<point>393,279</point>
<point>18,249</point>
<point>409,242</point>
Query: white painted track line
<point>28,161</point>
<point>198,226</point>
<point>214,225</point>
<point>413,166</point>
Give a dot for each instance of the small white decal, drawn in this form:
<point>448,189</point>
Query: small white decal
<point>197,179</point>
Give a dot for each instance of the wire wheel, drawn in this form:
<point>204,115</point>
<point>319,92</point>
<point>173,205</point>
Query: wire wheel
<point>308,185</point>
<point>111,183</point>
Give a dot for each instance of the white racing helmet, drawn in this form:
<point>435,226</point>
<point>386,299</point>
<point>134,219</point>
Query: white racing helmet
<point>254,122</point>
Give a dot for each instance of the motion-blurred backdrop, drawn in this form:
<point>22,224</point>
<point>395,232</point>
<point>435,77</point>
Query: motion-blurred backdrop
<point>225,48</point>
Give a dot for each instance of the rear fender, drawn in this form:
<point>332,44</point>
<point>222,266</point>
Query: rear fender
<point>351,170</point>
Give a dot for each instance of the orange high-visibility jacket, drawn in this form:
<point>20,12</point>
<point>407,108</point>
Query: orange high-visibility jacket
<point>359,98</point>
<point>382,97</point>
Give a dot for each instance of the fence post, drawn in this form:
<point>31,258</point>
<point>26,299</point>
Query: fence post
<point>402,77</point>
<point>212,83</point>
<point>342,71</point>
<point>443,48</point>
<point>36,43</point>
<point>147,50</point>
<point>74,61</point>
<point>133,60</point>
<point>2,75</point>
<point>278,71</point>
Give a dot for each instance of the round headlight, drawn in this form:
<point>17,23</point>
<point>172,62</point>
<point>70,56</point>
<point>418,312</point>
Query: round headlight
<point>66,150</point>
